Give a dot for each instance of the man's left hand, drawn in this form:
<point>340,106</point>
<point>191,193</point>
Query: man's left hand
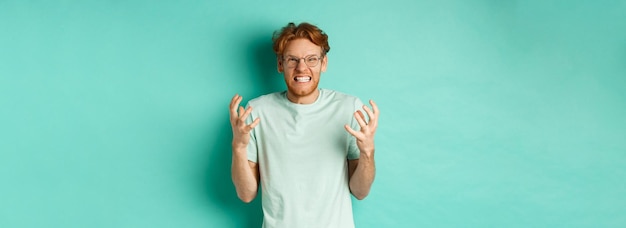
<point>365,136</point>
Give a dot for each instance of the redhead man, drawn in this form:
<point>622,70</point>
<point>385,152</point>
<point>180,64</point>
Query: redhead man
<point>308,148</point>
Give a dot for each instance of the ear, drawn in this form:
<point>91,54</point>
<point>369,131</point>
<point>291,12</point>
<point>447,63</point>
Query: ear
<point>279,65</point>
<point>324,63</point>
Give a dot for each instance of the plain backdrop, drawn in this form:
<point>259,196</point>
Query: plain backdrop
<point>493,113</point>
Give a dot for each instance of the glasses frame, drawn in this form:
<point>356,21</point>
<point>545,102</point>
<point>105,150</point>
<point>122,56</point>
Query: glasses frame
<point>285,60</point>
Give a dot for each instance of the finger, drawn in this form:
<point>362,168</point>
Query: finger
<point>233,106</point>
<point>235,101</point>
<point>376,114</point>
<point>232,100</point>
<point>254,123</point>
<point>375,108</point>
<point>358,115</point>
<point>354,133</point>
<point>246,113</point>
<point>369,112</point>
<point>361,114</point>
<point>241,111</point>
<point>373,121</point>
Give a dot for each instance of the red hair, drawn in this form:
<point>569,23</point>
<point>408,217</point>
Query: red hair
<point>303,30</point>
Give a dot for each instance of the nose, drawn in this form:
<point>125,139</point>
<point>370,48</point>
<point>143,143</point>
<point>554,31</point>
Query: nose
<point>301,65</point>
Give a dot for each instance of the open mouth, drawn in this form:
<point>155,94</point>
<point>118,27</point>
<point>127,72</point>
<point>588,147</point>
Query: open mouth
<point>302,79</point>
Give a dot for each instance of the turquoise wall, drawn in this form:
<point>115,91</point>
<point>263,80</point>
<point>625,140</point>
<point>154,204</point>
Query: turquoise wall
<point>493,113</point>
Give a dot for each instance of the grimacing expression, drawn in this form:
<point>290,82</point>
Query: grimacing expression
<point>302,80</point>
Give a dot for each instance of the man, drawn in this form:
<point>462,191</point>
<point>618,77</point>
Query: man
<point>292,142</point>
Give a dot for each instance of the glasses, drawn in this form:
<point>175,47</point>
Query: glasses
<point>310,61</point>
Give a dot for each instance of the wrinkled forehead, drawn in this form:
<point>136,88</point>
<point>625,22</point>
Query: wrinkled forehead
<point>301,47</point>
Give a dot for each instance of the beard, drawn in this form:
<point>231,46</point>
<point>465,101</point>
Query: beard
<point>301,91</point>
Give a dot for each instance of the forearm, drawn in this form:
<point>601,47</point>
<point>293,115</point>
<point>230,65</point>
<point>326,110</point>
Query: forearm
<point>244,178</point>
<point>363,176</point>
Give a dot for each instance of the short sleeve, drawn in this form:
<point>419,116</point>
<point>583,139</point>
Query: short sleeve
<point>252,146</point>
<point>353,149</point>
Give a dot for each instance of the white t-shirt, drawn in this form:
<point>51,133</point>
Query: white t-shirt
<point>302,152</point>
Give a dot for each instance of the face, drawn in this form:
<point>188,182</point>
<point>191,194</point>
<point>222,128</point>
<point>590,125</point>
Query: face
<point>301,79</point>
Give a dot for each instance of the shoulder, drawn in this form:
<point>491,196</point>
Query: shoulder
<point>337,96</point>
<point>266,99</point>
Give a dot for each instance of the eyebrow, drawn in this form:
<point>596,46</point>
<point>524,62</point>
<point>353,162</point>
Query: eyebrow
<point>303,57</point>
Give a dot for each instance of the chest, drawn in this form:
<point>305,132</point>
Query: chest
<point>304,133</point>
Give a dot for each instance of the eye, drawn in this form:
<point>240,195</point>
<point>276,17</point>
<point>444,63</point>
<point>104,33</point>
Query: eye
<point>312,59</point>
<point>293,60</point>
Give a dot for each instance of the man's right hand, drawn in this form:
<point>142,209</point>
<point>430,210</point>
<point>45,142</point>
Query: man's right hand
<point>241,131</point>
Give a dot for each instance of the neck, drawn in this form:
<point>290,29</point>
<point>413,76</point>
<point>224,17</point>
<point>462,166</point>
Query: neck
<point>306,99</point>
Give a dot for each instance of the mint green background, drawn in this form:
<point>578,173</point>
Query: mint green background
<point>493,113</point>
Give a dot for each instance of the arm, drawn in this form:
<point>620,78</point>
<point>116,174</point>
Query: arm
<point>245,174</point>
<point>362,171</point>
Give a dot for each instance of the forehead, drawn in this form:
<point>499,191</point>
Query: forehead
<point>301,47</point>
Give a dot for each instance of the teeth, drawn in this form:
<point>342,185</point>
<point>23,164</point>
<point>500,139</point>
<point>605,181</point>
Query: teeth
<point>303,79</point>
